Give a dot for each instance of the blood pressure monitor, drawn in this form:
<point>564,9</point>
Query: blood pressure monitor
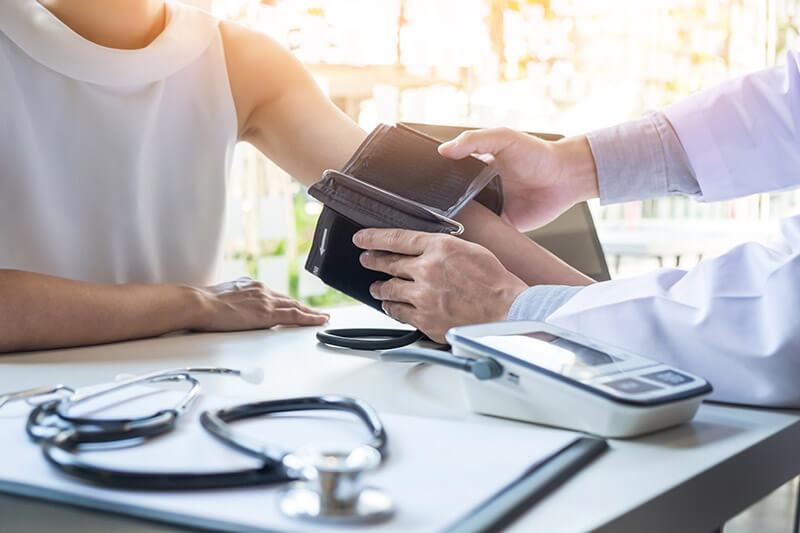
<point>540,373</point>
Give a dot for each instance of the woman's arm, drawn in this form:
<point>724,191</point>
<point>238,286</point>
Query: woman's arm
<point>281,110</point>
<point>41,312</point>
<point>519,254</point>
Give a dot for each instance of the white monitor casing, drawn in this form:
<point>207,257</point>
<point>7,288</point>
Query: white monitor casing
<point>531,394</point>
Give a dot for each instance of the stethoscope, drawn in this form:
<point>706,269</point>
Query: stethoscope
<point>328,487</point>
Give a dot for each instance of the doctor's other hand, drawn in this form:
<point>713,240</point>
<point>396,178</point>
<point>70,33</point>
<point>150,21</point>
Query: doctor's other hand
<point>439,282</point>
<point>249,304</point>
<point>541,179</point>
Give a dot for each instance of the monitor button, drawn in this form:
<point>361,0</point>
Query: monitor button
<point>631,386</point>
<point>668,377</point>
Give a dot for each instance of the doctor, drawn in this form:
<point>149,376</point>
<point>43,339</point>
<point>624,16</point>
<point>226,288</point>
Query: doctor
<point>734,319</point>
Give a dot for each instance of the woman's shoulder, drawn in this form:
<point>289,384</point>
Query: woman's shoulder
<point>254,52</point>
<point>260,69</point>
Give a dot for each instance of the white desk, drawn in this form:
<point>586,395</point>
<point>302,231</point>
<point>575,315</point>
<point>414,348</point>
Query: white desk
<point>691,478</point>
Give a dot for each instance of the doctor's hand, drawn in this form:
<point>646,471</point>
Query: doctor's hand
<point>249,304</point>
<point>439,282</point>
<point>541,179</point>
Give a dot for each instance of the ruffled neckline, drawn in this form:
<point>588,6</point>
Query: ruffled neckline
<point>42,36</point>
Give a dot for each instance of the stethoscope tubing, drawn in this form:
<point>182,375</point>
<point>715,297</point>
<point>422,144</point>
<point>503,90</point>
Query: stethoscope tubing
<point>60,451</point>
<point>86,430</point>
<point>99,431</point>
<point>217,422</point>
<point>364,338</point>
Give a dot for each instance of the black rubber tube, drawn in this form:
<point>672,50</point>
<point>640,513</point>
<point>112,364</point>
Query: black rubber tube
<point>364,338</point>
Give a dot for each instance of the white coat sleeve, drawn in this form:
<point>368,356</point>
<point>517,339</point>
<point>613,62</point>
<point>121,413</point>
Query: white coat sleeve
<point>743,136</point>
<point>734,320</point>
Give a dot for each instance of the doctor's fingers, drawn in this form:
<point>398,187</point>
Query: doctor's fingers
<point>397,265</point>
<point>400,241</point>
<point>395,290</point>
<point>409,314</point>
<point>489,141</point>
<point>400,311</point>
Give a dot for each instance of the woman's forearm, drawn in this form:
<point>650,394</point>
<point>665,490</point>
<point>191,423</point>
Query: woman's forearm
<point>530,262</point>
<point>41,312</point>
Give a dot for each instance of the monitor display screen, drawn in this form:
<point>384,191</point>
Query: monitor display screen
<point>552,353</point>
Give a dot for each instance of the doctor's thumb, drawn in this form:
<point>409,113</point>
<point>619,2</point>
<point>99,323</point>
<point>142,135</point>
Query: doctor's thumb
<point>489,141</point>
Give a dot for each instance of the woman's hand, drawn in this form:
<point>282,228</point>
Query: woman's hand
<point>439,282</point>
<point>248,304</point>
<point>541,179</point>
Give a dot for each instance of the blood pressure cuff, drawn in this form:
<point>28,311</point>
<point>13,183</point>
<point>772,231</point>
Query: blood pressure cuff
<point>396,179</point>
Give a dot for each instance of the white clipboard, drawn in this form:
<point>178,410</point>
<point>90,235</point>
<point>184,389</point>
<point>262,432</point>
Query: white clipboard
<point>436,470</point>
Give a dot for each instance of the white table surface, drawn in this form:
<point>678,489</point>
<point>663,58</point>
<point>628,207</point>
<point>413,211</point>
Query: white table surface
<point>690,478</point>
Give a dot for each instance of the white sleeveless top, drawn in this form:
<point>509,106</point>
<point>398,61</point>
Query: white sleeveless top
<point>113,163</point>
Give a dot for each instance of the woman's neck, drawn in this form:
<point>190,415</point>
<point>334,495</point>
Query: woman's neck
<point>125,24</point>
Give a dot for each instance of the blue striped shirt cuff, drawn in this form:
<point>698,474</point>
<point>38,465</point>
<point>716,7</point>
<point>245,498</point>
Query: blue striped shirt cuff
<point>539,302</point>
<point>641,159</point>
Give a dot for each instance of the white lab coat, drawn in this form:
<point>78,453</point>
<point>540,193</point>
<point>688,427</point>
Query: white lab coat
<point>735,319</point>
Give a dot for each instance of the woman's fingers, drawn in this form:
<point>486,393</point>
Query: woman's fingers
<point>284,303</point>
<point>276,293</point>
<point>290,303</point>
<point>246,303</point>
<point>293,316</point>
<point>257,291</point>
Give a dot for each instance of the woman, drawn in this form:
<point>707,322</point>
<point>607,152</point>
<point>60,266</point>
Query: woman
<point>117,123</point>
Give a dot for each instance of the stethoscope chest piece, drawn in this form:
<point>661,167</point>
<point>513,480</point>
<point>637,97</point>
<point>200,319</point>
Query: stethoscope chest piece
<point>332,490</point>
